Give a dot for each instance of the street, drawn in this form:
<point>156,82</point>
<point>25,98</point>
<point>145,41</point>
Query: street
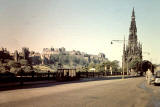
<point>131,92</point>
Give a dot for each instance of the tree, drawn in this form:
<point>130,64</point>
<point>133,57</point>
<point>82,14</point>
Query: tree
<point>135,64</point>
<point>3,69</point>
<point>27,68</point>
<point>15,70</point>
<point>115,65</point>
<point>12,63</point>
<point>91,65</point>
<point>24,62</point>
<point>100,67</point>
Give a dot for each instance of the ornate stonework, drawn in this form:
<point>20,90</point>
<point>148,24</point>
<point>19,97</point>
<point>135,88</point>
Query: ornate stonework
<point>134,49</point>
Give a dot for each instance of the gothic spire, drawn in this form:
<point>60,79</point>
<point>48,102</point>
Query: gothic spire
<point>133,13</point>
<point>133,28</point>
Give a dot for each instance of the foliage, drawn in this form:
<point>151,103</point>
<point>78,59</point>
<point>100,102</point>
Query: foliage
<point>91,65</point>
<point>41,68</point>
<point>9,65</point>
<point>134,63</point>
<point>84,69</point>
<point>13,63</point>
<point>24,62</point>
<point>15,70</point>
<point>26,68</point>
<point>115,65</point>
<point>100,67</point>
<point>3,69</point>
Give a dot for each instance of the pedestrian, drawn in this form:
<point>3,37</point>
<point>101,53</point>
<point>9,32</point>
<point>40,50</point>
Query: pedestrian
<point>149,76</point>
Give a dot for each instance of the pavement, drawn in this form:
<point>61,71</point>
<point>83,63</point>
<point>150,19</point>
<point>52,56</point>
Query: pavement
<point>102,92</point>
<point>16,85</point>
<point>43,83</point>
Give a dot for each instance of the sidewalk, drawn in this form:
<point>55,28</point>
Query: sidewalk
<point>15,85</point>
<point>25,83</point>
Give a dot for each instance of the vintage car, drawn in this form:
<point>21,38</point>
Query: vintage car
<point>157,78</point>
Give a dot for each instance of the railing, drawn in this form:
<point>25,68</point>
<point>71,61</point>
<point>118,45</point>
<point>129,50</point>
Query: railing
<point>28,76</point>
<point>60,75</point>
<point>97,74</point>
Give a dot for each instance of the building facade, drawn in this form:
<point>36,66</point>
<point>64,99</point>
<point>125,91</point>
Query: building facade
<point>133,50</point>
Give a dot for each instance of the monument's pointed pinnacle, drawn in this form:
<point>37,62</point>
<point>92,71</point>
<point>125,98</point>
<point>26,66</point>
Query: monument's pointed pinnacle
<point>133,13</point>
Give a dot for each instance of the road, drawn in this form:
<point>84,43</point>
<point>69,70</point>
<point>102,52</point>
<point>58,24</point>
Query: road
<point>131,92</point>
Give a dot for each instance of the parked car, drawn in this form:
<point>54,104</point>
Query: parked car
<point>157,78</point>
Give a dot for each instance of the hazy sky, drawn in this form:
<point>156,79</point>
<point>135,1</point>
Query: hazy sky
<point>85,25</point>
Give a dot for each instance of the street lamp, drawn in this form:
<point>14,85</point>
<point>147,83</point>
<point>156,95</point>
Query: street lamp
<point>121,41</point>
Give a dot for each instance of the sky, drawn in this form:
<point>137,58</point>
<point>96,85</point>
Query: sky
<point>84,25</point>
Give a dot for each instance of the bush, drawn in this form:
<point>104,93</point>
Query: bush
<point>3,69</point>
<point>24,62</point>
<point>12,63</point>
<point>15,70</point>
<point>27,68</point>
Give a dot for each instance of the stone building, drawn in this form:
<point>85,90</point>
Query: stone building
<point>132,51</point>
<point>25,53</point>
<point>101,55</point>
<point>47,53</point>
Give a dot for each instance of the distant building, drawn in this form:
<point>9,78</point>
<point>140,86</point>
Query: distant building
<point>25,53</point>
<point>74,52</point>
<point>35,57</point>
<point>63,49</point>
<point>101,55</point>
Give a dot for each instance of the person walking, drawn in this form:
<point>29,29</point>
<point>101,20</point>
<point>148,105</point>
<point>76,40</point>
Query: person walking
<point>149,76</point>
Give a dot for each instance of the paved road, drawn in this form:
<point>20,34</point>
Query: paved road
<point>132,92</point>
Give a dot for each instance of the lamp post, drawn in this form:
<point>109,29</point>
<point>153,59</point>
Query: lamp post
<point>123,57</point>
<point>123,67</point>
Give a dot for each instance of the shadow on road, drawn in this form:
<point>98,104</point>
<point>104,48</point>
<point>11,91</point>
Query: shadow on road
<point>54,83</point>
